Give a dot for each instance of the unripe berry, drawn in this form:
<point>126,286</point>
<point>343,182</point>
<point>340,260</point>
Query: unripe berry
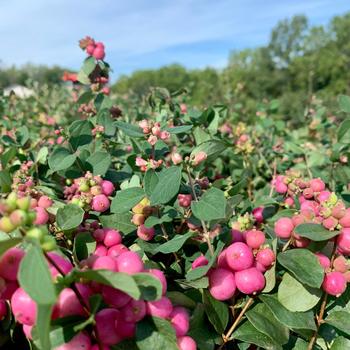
<point>186,343</point>
<point>250,281</point>
<point>42,217</point>
<point>340,264</point>
<point>339,210</point>
<point>180,320</point>
<point>176,158</point>
<point>145,233</point>
<point>48,243</point>
<point>199,158</point>
<point>255,238</point>
<point>160,308</point>
<point>239,256</point>
<point>6,225</point>
<point>23,307</point>
<point>284,228</point>
<point>45,202</point>
<point>18,217</point>
<point>222,284</point>
<point>100,203</point>
<point>23,203</point>
<point>330,223</point>
<point>129,262</point>
<point>138,219</point>
<point>334,283</point>
<point>96,190</point>
<point>266,257</point>
<point>106,325</point>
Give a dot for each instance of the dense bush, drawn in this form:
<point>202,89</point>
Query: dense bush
<point>153,225</point>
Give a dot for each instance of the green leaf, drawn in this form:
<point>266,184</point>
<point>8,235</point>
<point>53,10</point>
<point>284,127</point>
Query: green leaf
<point>340,320</point>
<point>126,199</point>
<point>42,326</point>
<point>6,244</point>
<point>80,133</point>
<point>303,265</point>
<point>296,297</point>
<point>294,320</point>
<point>129,129</point>
<point>41,157</point>
<point>150,181</point>
<point>100,161</point>
<point>156,334</point>
<point>246,332</point>
<point>179,129</point>
<point>344,103</point>
<point>119,280</point>
<point>84,245</point>
<point>211,206</point>
<point>121,222</point>
<point>261,317</point>
<point>167,186</point>
<point>61,159</point>
<point>340,343</point>
<point>315,232</point>
<point>35,278</point>
<point>213,148</point>
<point>150,286</point>
<point>216,311</point>
<point>343,131</point>
<point>89,65</point>
<point>5,181</point>
<point>175,244</point>
<point>69,217</point>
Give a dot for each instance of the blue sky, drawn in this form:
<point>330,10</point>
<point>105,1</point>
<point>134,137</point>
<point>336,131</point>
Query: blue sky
<point>142,34</point>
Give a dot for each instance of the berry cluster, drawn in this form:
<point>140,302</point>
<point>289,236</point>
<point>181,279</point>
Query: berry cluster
<point>140,213</point>
<point>92,48</point>
<point>90,192</point>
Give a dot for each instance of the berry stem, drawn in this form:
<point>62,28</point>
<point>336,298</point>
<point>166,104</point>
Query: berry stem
<point>237,320</point>
<point>206,233</point>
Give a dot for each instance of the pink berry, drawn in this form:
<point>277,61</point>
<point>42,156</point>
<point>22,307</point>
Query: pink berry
<point>345,220</point>
<point>99,234</point>
<point>266,257</point>
<point>160,308</point>
<point>222,284</point>
<point>9,263</point>
<point>100,250</point>
<point>10,288</point>
<point>90,49</point>
<point>145,233</point>
<point>258,214</point>
<point>117,250</point>
<point>99,53</point>
<point>126,329</point>
<point>339,210</point>
<point>239,256</point>
<point>68,304</point>
<point>255,238</point>
<point>112,237</point>
<point>107,187</point>
<point>222,262</point>
<point>281,187</point>
<point>237,236</point>
<point>250,281</point>
<point>23,307</point>
<point>115,297</point>
<point>27,330</point>
<point>129,262</point>
<point>334,283</point>
<point>42,216</point>
<point>330,223</point>
<point>81,341</point>
<point>340,264</point>
<point>317,185</point>
<point>160,275</point>
<point>180,320</point>
<point>301,242</point>
<point>105,263</point>
<point>134,311</point>
<point>100,203</point>
<point>284,228</point>
<point>323,260</point>
<point>45,202</point>
<point>200,261</point>
<point>106,325</point>
<point>186,343</point>
<point>343,241</point>
<point>184,200</point>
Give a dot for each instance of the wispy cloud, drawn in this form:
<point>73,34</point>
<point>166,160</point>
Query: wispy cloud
<point>141,33</point>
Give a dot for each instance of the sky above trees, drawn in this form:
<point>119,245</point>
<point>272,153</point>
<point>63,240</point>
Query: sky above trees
<point>143,34</point>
